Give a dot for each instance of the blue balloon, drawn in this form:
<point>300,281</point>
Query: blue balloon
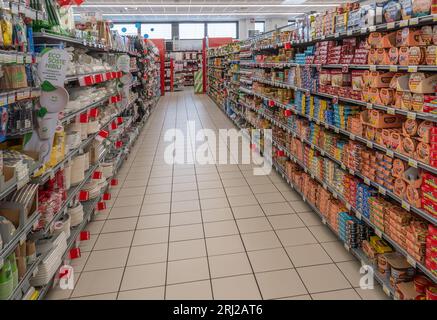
<point>146,36</point>
<point>137,25</point>
<point>152,29</point>
<point>111,25</point>
<point>123,30</point>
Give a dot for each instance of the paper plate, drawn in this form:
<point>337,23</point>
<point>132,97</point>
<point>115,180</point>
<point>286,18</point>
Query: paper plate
<point>54,101</point>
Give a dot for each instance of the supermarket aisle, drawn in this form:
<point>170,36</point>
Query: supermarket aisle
<point>206,231</point>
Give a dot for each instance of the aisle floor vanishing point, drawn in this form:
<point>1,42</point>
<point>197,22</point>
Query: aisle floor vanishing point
<point>188,231</point>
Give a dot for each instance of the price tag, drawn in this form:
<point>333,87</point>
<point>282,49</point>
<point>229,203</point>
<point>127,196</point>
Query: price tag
<point>326,126</point>
<point>322,152</point>
<point>312,146</point>
<point>369,106</point>
<point>412,68</point>
<point>3,100</point>
<point>346,246</point>
<point>391,25</point>
<point>391,111</point>
<point>386,290</point>
<point>378,232</point>
<point>23,239</point>
<point>335,195</point>
<point>405,205</point>
<point>412,163</point>
<point>411,115</point>
<point>411,261</point>
<point>414,21</point>
<point>350,32</point>
<point>372,28</point>
<point>389,153</point>
<point>352,136</point>
<point>304,199</point>
<point>348,206</point>
<point>367,181</point>
<point>336,130</point>
<point>369,144</point>
<point>322,37</point>
<point>393,68</point>
<point>382,190</point>
<point>312,176</point>
<point>352,172</point>
<point>325,186</point>
<point>403,23</point>
<point>19,59</point>
<point>11,98</point>
<point>323,220</point>
<point>343,166</point>
<point>364,30</point>
<point>336,35</point>
<point>358,215</point>
<point>14,8</point>
<point>434,18</point>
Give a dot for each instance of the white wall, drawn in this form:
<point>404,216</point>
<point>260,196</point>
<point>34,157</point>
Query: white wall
<point>244,25</point>
<point>273,23</point>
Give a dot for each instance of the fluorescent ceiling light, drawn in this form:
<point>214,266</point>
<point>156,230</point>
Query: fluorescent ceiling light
<point>202,14</point>
<point>293,1</point>
<point>221,5</point>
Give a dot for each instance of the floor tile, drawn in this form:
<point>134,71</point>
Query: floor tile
<point>159,181</point>
<point>186,249</point>
<point>209,184</point>
<point>220,214</point>
<point>278,208</point>
<point>271,197</point>
<point>153,221</point>
<point>198,290</point>
<point>244,200</point>
<point>79,263</point>
<point>187,270</point>
<point>118,225</point>
<point>279,284</point>
<point>323,278</point>
<point>152,253</point>
<point>158,189</point>
<point>238,191</point>
<point>310,219</point>
<point>150,236</point>
<point>106,259</point>
<point>347,294</point>
<point>184,186</point>
<point>113,240</point>
<point>323,234</point>
<point>263,188</point>
<point>182,206</point>
<point>105,296</point>
<point>269,260</point>
<point>296,237</point>
<point>95,227</point>
<point>351,270</point>
<point>157,208</point>
<point>157,198</point>
<point>212,193</point>
<point>220,228</point>
<point>135,183</point>
<point>260,240</point>
<point>372,294</point>
<point>185,195</point>
<point>337,252</point>
<point>236,288</point>
<point>208,177</point>
<point>98,282</point>
<point>188,232</point>
<point>184,218</point>
<point>224,245</point>
<point>238,182</point>
<point>215,203</point>
<point>229,265</point>
<point>156,293</point>
<point>143,276</point>
<point>247,212</point>
<point>300,206</point>
<point>124,212</point>
<point>307,255</point>
<point>286,221</point>
<point>253,225</point>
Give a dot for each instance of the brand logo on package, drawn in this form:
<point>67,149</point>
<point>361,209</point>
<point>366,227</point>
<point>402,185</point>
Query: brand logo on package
<point>66,277</point>
<point>53,66</point>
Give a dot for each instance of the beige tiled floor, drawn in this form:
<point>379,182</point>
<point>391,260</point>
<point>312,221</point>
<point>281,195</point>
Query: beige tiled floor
<point>206,231</point>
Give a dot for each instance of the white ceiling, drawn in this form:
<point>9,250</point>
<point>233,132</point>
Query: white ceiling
<point>205,10</point>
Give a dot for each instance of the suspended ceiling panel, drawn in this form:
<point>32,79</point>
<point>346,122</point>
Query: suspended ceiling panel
<point>202,10</point>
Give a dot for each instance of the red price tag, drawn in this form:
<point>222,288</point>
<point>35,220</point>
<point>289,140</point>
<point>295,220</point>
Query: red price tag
<point>113,75</point>
<point>75,253</point>
<point>94,112</point>
<point>84,235</point>
<point>119,120</point>
<point>287,45</point>
<point>271,103</point>
<point>114,182</point>
<point>119,74</point>
<point>113,125</point>
<point>287,113</point>
<point>119,144</point>
<point>103,134</point>
<point>83,195</point>
<point>109,75</point>
<point>106,196</point>
<point>98,78</point>
<point>280,153</point>
<point>86,81</point>
<point>97,175</point>
<point>113,99</point>
<point>83,118</point>
<point>101,206</point>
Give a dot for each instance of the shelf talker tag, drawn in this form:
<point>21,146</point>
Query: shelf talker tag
<point>84,235</point>
<point>75,253</point>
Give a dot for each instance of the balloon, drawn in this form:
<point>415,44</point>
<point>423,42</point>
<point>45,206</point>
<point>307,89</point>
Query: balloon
<point>137,25</point>
<point>152,29</point>
<point>111,25</point>
<point>146,36</point>
<point>123,30</point>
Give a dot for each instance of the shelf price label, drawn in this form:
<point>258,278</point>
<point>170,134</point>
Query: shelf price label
<point>369,144</point>
<point>411,261</point>
<point>372,67</point>
<point>393,68</point>
<point>378,232</point>
<point>358,215</point>
<point>390,153</point>
<point>411,115</point>
<point>412,68</point>
<point>386,290</point>
<point>403,23</point>
<point>391,111</point>
<point>412,163</point>
<point>346,246</point>
<point>348,206</point>
<point>406,205</point>
<point>414,21</point>
<point>369,106</point>
<point>391,25</point>
<point>382,190</point>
